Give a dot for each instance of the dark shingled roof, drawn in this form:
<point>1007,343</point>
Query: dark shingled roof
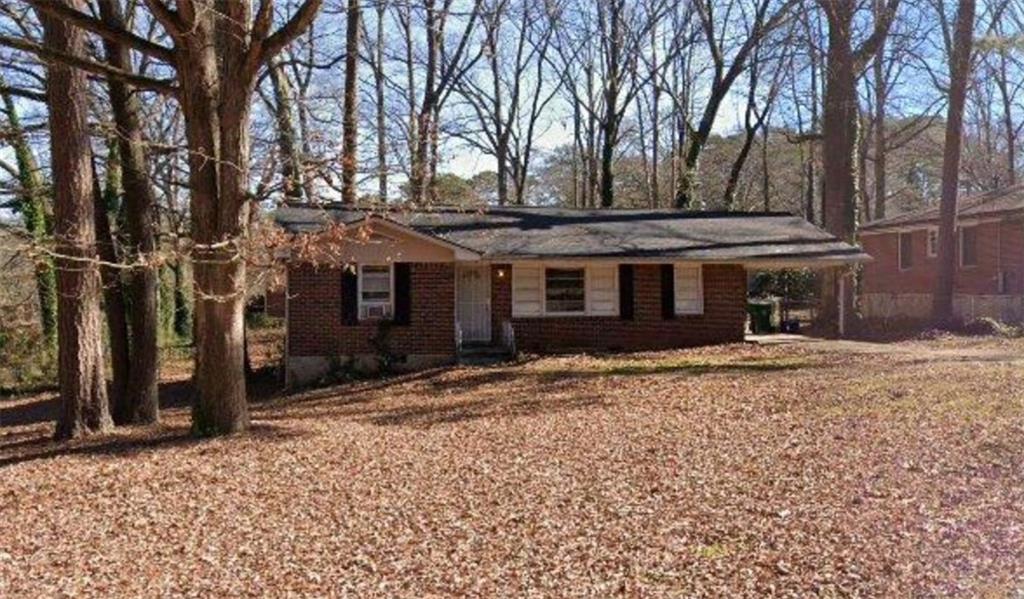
<point>521,233</point>
<point>1002,201</point>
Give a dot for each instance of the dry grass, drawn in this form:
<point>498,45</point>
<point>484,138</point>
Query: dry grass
<point>726,471</point>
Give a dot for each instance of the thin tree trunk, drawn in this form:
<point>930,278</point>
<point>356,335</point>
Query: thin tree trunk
<point>378,81</point>
<point>182,315</point>
<point>960,64</point>
<point>113,292</point>
<point>291,161</point>
<point>83,393</point>
<point>1009,126</point>
<point>142,405</point>
<point>350,117</point>
<point>881,93</point>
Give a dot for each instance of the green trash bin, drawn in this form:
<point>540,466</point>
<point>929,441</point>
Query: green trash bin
<point>760,312</point>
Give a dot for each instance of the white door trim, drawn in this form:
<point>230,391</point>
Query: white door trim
<point>473,302</point>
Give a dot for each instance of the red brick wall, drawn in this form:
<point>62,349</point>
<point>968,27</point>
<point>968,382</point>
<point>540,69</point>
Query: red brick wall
<point>1000,247</point>
<point>724,318</point>
<point>314,314</point>
<point>275,302</point>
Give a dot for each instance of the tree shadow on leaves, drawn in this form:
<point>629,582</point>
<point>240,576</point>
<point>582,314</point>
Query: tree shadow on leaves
<point>123,442</point>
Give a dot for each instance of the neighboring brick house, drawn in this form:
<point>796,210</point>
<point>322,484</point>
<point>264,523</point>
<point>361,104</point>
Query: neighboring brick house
<point>428,284</point>
<point>989,275</point>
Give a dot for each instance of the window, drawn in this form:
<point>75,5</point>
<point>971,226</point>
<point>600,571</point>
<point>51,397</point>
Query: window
<point>559,289</point>
<point>968,246</point>
<point>375,291</point>
<point>933,243</point>
<point>689,289</point>
<point>906,251</point>
<point>564,290</point>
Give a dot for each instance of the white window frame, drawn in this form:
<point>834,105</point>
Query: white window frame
<point>899,250</point>
<point>391,293</point>
<point>588,310</point>
<point>676,268</point>
<point>960,247</point>
<point>544,289</point>
<point>932,231</point>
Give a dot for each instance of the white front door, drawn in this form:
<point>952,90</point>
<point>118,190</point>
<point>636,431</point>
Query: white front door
<point>473,303</point>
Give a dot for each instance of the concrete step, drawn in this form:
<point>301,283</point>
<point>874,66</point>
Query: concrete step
<point>483,355</point>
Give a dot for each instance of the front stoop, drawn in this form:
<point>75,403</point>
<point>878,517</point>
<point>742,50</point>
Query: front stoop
<point>483,355</point>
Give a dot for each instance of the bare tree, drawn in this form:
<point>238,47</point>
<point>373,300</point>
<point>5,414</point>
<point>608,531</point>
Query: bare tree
<point>350,119</point>
<point>83,390</point>
<point>510,93</point>
<point>441,71</point>
<point>140,403</point>
<point>218,50</point>
<point>959,68</point>
<point>841,118</point>
<point>718,29</point>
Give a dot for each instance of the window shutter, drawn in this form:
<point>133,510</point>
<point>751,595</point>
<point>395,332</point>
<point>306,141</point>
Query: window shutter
<point>526,284</point>
<point>668,292</point>
<point>403,294</point>
<point>601,292</point>
<point>349,296</point>
<point>689,290</point>
<point>626,291</point>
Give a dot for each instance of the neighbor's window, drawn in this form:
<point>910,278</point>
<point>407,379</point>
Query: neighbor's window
<point>968,246</point>
<point>689,289</point>
<point>564,290</point>
<point>933,243</point>
<point>906,251</point>
<point>374,291</point>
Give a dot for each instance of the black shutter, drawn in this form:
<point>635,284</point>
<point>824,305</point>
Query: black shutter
<point>626,291</point>
<point>349,297</point>
<point>403,294</point>
<point>668,291</point>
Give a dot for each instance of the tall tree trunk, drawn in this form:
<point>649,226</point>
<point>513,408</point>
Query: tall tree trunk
<point>215,102</point>
<point>840,150</point>
<point>32,204</point>
<point>350,117</point>
<point>960,65</point>
<point>142,406</point>
<point>83,393</point>
<point>1009,127</point>
<point>291,160</point>
<point>881,97</point>
<point>378,81</point>
<point>113,291</point>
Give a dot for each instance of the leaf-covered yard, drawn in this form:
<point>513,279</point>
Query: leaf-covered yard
<point>742,470</point>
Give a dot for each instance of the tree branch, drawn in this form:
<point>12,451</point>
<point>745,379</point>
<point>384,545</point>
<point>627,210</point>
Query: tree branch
<point>870,46</point>
<point>164,86</point>
<point>104,30</point>
<point>299,22</point>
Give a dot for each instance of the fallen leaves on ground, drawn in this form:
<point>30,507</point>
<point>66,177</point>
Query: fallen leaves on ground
<point>731,471</point>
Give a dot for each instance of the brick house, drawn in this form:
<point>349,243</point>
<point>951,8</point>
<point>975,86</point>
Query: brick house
<point>989,275</point>
<point>534,279</point>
